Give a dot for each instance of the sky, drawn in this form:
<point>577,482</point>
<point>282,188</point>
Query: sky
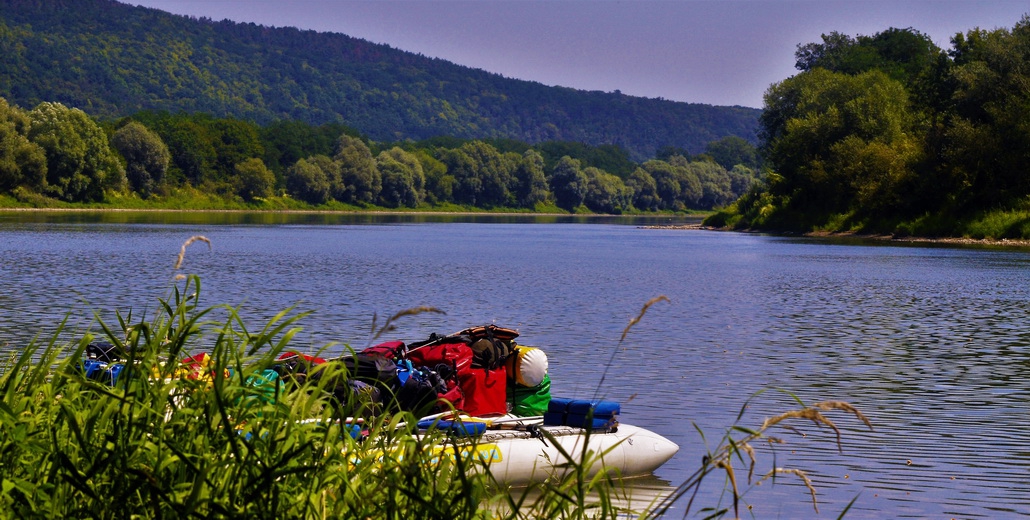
<point>718,52</point>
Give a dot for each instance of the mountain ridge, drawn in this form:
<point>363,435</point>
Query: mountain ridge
<point>112,59</point>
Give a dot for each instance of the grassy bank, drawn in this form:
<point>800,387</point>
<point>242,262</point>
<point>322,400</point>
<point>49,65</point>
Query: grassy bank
<point>757,212</point>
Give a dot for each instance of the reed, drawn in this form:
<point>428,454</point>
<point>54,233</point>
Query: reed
<point>739,443</point>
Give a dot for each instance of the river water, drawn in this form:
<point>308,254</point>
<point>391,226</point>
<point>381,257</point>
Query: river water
<point>932,343</point>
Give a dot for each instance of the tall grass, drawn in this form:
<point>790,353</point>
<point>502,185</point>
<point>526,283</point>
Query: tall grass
<point>168,440</point>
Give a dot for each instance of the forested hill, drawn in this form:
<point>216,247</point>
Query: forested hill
<point>112,59</point>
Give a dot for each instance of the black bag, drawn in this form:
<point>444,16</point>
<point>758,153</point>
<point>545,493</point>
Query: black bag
<point>350,397</point>
<point>372,368</point>
<point>421,389</point>
<point>358,399</point>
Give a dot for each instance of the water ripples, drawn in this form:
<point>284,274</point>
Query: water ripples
<point>933,344</point>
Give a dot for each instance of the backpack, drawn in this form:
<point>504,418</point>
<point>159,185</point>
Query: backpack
<point>477,389</point>
<point>491,345</point>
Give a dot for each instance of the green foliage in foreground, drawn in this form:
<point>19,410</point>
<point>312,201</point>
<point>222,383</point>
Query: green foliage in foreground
<point>159,444</point>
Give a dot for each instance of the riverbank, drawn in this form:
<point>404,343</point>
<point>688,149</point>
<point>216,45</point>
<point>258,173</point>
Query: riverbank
<point>968,241</point>
<point>1004,242</point>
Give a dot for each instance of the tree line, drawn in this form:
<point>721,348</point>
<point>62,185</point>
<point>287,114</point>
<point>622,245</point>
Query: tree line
<point>61,153</point>
<point>890,133</point>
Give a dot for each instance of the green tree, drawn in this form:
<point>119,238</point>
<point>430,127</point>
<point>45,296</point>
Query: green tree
<point>667,184</point>
<point>645,190</point>
<point>568,184</point>
<point>22,162</point>
<point>605,193</point>
<point>235,142</point>
<point>146,156</point>
<point>689,180</point>
<point>307,181</point>
<point>823,131</point>
<point>715,183</point>
<point>481,174</point>
<point>836,53</point>
<point>360,181</point>
<point>253,179</point>
<point>731,151</point>
<point>191,143</point>
<point>403,180</point>
<point>987,145</point>
<point>902,54</point>
<point>439,184</point>
<point>529,182</point>
<point>742,179</point>
<point>463,175</point>
<point>287,141</point>
<point>80,163</point>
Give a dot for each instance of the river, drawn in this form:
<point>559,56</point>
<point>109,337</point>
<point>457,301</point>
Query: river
<point>931,342</point>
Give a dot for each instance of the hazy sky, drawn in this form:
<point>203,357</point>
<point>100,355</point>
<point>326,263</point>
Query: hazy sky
<point>721,52</point>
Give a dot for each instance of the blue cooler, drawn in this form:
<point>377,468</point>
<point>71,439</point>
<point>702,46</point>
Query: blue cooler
<point>582,413</point>
<point>557,411</point>
<point>93,368</point>
<point>593,415</point>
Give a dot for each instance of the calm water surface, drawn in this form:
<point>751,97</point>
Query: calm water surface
<point>932,343</point>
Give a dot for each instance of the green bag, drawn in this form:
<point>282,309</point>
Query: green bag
<point>528,401</point>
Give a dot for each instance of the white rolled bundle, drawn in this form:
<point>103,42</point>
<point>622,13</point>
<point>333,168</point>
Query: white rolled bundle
<point>528,366</point>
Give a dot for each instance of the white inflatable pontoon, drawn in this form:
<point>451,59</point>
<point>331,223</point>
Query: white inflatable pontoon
<point>525,455</point>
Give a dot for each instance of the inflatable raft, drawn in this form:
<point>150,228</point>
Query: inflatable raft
<point>506,417</point>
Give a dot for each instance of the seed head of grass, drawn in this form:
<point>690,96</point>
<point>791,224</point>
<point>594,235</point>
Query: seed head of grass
<point>801,474</point>
<point>182,251</point>
<point>814,414</point>
<point>640,316</point>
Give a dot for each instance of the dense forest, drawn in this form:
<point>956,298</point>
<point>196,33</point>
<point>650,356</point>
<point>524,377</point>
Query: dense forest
<point>890,134</point>
<point>112,60</point>
<point>54,154</point>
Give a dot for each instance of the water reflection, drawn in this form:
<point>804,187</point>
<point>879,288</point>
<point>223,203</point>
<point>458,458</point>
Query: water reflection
<point>320,218</point>
<point>631,497</point>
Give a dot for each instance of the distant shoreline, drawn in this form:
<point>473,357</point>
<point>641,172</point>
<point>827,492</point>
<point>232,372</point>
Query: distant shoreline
<point>1001,242</point>
<point>346,212</point>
